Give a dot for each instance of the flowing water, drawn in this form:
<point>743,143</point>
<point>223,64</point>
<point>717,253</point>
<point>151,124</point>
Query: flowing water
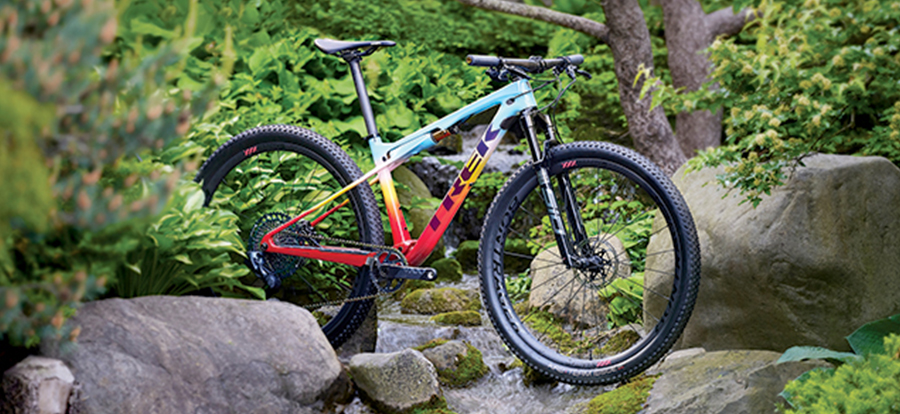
<point>498,392</point>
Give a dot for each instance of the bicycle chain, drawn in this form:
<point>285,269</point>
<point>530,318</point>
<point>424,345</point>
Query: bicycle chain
<point>375,278</point>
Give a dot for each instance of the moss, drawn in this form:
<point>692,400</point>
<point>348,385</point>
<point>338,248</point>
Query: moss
<point>411,286</point>
<point>549,326</point>
<point>431,344</point>
<point>627,399</point>
<point>464,318</point>
<point>434,301</point>
<point>531,376</point>
<point>467,255</point>
<point>620,342</point>
<point>321,318</point>
<point>516,264</point>
<point>470,369</point>
<point>448,269</point>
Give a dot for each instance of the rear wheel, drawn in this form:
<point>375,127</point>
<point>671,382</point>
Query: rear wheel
<point>270,174</point>
<point>619,309</point>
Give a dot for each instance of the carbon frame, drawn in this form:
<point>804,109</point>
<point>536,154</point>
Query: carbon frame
<point>512,100</point>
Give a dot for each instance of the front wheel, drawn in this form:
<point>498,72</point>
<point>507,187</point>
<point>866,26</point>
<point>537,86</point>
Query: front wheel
<point>619,310</point>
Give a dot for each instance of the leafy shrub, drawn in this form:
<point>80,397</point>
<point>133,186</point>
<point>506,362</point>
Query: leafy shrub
<point>85,110</point>
<point>186,249</point>
<point>818,75</point>
<point>865,385</point>
<point>864,382</point>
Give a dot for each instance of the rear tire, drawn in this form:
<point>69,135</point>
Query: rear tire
<point>285,169</point>
<point>600,324</point>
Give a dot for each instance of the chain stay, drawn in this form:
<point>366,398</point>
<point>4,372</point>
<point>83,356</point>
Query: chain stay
<point>380,277</point>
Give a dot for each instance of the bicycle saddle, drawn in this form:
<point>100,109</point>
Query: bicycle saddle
<point>331,46</point>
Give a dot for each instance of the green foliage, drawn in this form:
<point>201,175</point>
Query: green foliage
<point>627,399</point>
<point>186,249</point>
<point>867,339</point>
<point>518,287</point>
<point>865,385</point>
<point>625,298</point>
<point>811,76</point>
<point>442,25</point>
<point>74,112</point>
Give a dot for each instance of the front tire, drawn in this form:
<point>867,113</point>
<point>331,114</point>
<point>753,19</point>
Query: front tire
<point>271,172</point>
<point>602,324</point>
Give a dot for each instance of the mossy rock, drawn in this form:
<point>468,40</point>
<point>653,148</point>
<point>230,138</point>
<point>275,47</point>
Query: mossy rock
<point>440,300</point>
<point>627,399</point>
<point>463,318</point>
<point>458,364</point>
<point>515,264</point>
<point>448,269</point>
<point>467,255</point>
<point>531,376</point>
<point>412,286</point>
<point>621,341</point>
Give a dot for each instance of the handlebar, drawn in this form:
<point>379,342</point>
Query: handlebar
<point>532,65</point>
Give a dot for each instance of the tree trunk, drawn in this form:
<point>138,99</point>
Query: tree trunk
<point>688,32</point>
<point>629,40</point>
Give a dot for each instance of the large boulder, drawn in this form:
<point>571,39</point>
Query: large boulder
<point>814,261</point>
<point>195,354</point>
<point>396,382</point>
<point>37,385</point>
<point>567,295</point>
<point>724,382</point>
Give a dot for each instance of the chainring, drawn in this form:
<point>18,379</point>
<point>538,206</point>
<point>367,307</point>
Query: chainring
<point>281,266</point>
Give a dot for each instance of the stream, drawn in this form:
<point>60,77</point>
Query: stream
<point>497,392</point>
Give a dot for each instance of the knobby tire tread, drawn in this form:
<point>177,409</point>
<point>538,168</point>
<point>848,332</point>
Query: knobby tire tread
<point>651,172</point>
<point>348,172</point>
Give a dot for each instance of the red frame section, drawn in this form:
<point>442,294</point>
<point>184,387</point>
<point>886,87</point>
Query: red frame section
<point>415,250</point>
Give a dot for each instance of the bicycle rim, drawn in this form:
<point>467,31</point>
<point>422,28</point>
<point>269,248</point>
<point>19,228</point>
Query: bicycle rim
<point>607,321</point>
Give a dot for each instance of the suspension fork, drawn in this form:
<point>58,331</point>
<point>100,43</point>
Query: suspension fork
<point>541,169</point>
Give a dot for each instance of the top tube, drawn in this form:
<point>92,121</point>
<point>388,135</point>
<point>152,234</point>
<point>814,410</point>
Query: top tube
<point>420,140</point>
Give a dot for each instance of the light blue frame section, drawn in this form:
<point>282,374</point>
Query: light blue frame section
<point>513,98</point>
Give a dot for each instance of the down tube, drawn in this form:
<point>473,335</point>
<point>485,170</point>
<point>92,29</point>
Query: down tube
<point>467,176</point>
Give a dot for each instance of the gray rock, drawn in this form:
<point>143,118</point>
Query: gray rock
<point>37,385</point>
<point>192,354</point>
<point>813,262</point>
<point>363,339</point>
<point>396,382</point>
<point>554,290</point>
<point>446,356</point>
<point>726,382</point>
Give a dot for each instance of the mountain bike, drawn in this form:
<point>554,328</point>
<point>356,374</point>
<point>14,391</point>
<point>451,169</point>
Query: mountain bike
<point>565,274</point>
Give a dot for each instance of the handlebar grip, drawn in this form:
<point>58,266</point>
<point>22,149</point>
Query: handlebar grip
<point>483,60</point>
<point>576,59</point>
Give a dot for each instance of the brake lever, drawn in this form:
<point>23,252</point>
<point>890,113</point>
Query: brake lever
<point>572,70</point>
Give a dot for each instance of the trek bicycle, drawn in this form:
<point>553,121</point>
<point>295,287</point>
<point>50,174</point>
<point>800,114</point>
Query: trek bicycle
<point>565,274</point>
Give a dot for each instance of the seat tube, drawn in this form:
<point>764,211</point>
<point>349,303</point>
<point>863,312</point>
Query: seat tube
<point>363,94</point>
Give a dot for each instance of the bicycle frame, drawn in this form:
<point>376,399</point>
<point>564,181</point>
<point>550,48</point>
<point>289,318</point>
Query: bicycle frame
<point>512,100</point>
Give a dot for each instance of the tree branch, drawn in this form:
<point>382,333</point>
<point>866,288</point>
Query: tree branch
<point>725,22</point>
<point>577,23</point>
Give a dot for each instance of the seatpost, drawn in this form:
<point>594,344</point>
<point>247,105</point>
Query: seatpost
<point>364,104</point>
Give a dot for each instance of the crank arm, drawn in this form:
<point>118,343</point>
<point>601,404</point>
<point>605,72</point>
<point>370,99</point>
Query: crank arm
<point>408,272</point>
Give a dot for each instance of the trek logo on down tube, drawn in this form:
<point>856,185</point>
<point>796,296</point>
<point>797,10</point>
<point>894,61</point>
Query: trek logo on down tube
<point>467,176</point>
